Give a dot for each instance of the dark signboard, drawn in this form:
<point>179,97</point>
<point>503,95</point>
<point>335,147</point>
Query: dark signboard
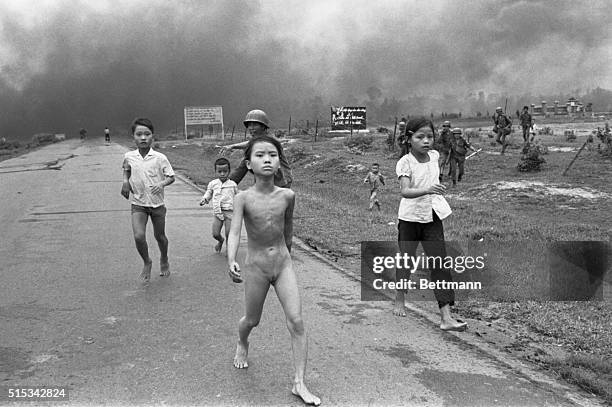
<point>347,118</point>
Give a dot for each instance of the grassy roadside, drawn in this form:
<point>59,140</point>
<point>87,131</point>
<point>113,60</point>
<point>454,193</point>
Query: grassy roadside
<point>571,339</point>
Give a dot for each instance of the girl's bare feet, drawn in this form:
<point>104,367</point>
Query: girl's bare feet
<point>300,390</point>
<point>145,275</point>
<point>453,325</point>
<point>164,267</point>
<point>399,309</point>
<point>240,358</point>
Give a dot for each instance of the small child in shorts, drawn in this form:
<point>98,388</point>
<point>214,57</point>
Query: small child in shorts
<point>267,211</point>
<point>221,192</point>
<point>374,178</point>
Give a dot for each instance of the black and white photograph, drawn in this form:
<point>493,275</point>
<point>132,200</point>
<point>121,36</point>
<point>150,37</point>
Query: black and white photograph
<point>293,203</point>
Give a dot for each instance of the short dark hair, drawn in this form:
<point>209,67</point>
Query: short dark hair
<point>263,139</point>
<point>525,107</point>
<point>142,121</point>
<point>222,161</point>
<point>375,164</point>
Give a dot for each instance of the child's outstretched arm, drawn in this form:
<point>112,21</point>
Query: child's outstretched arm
<point>207,195</point>
<point>233,240</point>
<point>239,146</point>
<point>126,188</point>
<point>289,219</point>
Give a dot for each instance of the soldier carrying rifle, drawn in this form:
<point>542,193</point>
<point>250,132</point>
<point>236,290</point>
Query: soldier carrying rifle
<point>503,127</point>
<point>444,144</point>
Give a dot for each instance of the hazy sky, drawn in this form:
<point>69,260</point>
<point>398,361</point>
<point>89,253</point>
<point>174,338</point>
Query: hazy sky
<point>66,64</point>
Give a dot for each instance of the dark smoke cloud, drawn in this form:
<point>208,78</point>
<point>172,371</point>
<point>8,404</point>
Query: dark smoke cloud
<point>68,64</point>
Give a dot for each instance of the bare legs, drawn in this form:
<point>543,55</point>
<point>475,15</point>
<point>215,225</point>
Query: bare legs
<point>256,289</point>
<point>139,227</point>
<point>216,231</point>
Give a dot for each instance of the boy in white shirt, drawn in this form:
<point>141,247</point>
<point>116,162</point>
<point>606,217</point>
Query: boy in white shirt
<point>221,191</point>
<point>145,175</point>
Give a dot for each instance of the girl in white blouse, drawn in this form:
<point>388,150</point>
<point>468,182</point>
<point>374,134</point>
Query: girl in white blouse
<point>421,211</point>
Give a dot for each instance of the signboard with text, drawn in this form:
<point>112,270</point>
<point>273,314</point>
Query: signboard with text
<point>203,115</point>
<point>348,118</point>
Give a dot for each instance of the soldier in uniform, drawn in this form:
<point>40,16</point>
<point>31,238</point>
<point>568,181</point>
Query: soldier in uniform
<point>401,138</point>
<point>443,145</point>
<point>503,126</point>
<point>459,148</point>
<point>526,123</point>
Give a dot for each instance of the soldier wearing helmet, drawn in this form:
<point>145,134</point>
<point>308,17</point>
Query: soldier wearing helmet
<point>458,152</point>
<point>257,124</point>
<point>526,123</point>
<point>443,145</point>
<point>502,127</point>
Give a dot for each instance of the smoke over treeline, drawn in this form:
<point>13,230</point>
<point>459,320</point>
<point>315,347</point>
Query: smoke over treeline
<point>71,64</point>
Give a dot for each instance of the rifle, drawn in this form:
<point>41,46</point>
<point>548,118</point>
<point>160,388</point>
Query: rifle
<point>474,153</point>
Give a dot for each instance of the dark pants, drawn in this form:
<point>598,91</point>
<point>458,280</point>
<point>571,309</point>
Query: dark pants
<point>457,167</point>
<point>526,133</point>
<point>501,138</point>
<point>431,237</point>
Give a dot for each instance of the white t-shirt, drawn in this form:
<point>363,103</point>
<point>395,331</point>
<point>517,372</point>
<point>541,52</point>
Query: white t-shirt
<point>222,194</point>
<point>145,172</point>
<point>421,175</point>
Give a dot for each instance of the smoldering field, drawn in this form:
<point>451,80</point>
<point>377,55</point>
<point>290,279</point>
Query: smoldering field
<point>71,64</point>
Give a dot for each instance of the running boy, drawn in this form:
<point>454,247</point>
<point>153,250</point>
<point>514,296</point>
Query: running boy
<point>145,174</point>
<point>420,215</point>
<point>374,178</point>
<point>221,191</point>
<point>267,211</point>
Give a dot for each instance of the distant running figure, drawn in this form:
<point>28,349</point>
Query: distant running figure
<point>375,179</point>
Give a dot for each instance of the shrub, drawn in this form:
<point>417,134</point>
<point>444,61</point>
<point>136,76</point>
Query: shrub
<point>359,141</point>
<point>295,153</point>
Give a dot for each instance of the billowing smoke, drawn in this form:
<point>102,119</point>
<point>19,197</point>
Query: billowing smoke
<point>71,64</point>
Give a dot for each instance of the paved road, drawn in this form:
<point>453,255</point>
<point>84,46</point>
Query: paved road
<point>73,313</point>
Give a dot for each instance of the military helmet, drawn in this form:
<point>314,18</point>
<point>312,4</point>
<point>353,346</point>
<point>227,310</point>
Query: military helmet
<point>499,109</point>
<point>446,123</point>
<point>457,130</point>
<point>257,116</point>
